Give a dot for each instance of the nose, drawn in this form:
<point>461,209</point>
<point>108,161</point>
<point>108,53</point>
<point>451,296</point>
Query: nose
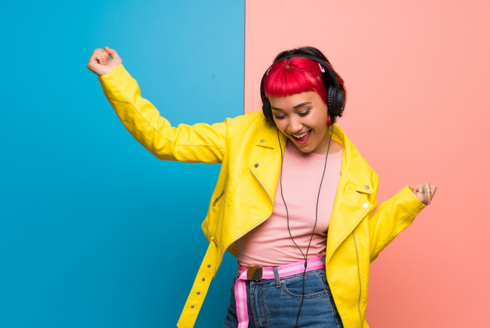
<point>295,125</point>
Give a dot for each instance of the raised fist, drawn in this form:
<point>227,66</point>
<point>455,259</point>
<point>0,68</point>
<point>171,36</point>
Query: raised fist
<point>101,63</point>
<point>424,192</point>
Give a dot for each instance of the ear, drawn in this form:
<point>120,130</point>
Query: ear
<point>329,121</point>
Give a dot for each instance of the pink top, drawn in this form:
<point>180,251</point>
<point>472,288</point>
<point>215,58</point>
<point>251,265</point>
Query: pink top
<point>270,244</point>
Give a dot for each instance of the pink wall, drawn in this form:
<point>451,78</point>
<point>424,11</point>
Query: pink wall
<point>417,74</point>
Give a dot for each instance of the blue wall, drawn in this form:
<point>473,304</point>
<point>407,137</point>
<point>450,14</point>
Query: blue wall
<point>95,231</point>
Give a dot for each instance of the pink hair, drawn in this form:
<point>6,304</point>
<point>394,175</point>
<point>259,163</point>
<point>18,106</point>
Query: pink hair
<point>296,75</point>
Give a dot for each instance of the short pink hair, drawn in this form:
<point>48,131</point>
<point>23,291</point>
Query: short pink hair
<point>296,75</point>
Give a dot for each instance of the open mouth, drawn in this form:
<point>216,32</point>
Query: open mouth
<point>302,138</point>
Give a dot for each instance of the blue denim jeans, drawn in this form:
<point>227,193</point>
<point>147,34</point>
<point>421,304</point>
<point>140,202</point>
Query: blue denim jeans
<point>274,303</point>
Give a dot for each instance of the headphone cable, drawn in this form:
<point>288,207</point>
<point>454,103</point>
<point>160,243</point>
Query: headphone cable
<point>305,256</point>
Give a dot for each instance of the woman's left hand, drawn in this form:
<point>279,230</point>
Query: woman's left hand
<point>424,192</point>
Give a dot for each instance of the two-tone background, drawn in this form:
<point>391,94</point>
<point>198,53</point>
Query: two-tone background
<point>96,232</point>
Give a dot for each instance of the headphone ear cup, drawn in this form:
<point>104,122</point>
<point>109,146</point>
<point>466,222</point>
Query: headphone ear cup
<point>266,109</point>
<point>335,100</point>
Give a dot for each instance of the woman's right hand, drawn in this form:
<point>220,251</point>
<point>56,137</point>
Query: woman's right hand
<point>100,62</point>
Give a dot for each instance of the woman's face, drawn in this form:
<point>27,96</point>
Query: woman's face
<point>302,118</point>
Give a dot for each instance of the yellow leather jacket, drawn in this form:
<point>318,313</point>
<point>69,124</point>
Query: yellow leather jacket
<point>248,149</point>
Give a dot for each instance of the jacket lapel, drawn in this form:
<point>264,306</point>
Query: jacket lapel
<point>351,201</point>
<point>267,166</point>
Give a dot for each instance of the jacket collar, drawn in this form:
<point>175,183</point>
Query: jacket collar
<point>353,165</point>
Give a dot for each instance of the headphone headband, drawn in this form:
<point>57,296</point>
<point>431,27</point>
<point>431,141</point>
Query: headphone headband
<point>325,64</point>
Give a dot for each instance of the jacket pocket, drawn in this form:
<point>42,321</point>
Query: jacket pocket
<point>220,196</point>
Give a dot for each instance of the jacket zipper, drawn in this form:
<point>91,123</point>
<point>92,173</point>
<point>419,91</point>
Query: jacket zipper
<point>218,198</point>
<point>220,195</point>
<point>360,284</point>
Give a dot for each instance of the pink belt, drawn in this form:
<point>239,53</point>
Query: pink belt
<point>259,273</point>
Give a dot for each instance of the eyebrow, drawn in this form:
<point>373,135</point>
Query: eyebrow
<point>295,107</point>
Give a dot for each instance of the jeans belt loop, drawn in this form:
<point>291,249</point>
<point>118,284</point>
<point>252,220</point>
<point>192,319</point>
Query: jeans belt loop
<point>278,279</point>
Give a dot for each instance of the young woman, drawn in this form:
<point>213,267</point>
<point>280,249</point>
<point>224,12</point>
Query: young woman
<point>295,202</point>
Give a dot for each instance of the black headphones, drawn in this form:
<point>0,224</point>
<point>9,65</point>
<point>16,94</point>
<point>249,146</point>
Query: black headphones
<point>335,94</point>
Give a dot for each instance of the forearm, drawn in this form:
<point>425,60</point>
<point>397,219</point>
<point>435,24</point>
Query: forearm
<point>392,217</point>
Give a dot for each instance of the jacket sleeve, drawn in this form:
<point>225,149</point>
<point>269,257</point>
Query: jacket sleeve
<point>392,217</point>
<point>192,144</point>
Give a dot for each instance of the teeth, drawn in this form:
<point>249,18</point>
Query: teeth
<point>301,135</point>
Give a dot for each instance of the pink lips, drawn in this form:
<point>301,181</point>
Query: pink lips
<point>303,140</point>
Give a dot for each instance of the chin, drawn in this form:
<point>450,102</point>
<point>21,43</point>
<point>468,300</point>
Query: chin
<point>305,149</point>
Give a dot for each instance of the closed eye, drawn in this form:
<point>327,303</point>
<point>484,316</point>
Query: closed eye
<point>304,113</point>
